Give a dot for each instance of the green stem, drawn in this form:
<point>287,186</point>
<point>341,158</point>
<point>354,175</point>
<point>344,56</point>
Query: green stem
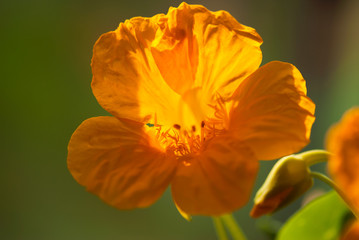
<point>233,227</point>
<point>221,232</point>
<point>314,156</point>
<point>330,182</point>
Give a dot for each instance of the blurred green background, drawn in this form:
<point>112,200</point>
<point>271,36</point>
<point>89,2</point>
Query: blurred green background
<point>46,48</point>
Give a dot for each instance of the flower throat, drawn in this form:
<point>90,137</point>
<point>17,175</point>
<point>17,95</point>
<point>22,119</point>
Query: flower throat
<point>182,141</point>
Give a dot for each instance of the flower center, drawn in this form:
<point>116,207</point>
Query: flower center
<point>183,140</point>
<point>180,142</point>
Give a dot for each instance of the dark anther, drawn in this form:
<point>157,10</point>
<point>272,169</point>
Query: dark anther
<point>176,126</point>
<point>193,128</point>
<point>202,124</point>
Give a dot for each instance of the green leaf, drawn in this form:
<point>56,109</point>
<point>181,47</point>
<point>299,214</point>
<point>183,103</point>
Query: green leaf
<point>321,219</point>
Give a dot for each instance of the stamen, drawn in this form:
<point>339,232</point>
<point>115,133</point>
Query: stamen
<point>155,119</point>
<point>202,131</point>
<point>182,141</point>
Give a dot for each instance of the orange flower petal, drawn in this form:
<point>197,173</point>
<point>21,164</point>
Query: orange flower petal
<point>175,48</point>
<point>113,159</point>
<point>352,233</point>
<point>219,180</point>
<point>343,143</point>
<point>212,49</point>
<point>229,52</point>
<point>271,112</point>
<point>149,67</point>
<point>126,80</point>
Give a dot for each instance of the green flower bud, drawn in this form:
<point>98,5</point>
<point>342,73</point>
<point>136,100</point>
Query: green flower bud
<point>289,179</point>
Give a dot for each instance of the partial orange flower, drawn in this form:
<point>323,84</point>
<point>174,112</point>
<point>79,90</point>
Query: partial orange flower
<point>191,109</point>
<point>352,232</point>
<point>343,142</point>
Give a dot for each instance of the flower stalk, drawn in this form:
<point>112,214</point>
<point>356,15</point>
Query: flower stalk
<point>330,182</point>
<point>232,226</point>
<point>312,157</point>
<point>218,225</point>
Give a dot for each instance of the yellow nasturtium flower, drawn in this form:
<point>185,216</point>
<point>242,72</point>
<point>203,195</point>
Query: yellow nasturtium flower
<point>191,109</point>
<point>343,143</point>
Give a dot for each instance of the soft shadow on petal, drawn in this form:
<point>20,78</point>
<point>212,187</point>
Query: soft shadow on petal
<point>199,48</point>
<point>219,180</point>
<point>113,159</point>
<point>271,112</point>
<point>126,80</point>
<point>141,70</point>
<point>343,143</point>
<point>175,49</point>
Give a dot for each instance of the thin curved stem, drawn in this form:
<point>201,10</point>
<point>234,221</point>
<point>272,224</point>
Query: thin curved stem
<point>218,225</point>
<point>312,157</point>
<point>233,227</point>
<point>330,182</point>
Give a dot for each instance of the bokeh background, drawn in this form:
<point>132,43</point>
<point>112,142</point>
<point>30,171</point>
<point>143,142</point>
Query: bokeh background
<point>46,48</point>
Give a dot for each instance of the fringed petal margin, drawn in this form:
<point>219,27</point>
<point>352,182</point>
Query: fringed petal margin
<point>143,69</point>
